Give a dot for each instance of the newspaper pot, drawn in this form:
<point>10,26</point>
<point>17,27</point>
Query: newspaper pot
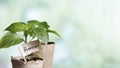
<point>18,63</point>
<point>47,52</point>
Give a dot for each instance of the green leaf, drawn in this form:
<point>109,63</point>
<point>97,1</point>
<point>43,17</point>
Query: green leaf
<point>54,32</point>
<point>39,24</point>
<point>33,23</point>
<point>10,39</point>
<point>29,30</point>
<point>41,34</point>
<point>16,27</point>
<point>28,27</point>
<point>44,24</point>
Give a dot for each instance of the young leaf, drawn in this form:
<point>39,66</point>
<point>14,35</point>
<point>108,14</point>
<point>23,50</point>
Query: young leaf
<point>29,26</point>
<point>10,39</point>
<point>16,27</point>
<point>33,22</point>
<point>39,24</point>
<point>54,32</point>
<point>44,24</point>
<point>41,34</point>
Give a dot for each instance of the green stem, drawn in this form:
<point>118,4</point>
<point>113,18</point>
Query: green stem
<point>25,39</point>
<point>25,34</point>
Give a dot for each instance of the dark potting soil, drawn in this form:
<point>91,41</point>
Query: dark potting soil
<point>49,43</point>
<point>32,59</point>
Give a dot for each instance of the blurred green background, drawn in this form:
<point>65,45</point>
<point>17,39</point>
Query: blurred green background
<point>89,29</point>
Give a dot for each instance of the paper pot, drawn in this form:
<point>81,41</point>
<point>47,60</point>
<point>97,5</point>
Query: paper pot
<point>47,52</point>
<point>17,63</point>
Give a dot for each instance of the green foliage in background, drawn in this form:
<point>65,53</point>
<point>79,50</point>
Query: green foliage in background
<point>32,29</point>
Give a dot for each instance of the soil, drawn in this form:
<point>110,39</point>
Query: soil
<point>32,59</point>
<point>49,43</point>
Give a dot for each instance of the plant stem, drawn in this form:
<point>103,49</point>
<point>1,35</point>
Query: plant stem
<point>25,39</point>
<point>25,34</point>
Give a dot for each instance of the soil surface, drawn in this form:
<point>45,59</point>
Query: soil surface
<point>49,43</point>
<point>32,59</point>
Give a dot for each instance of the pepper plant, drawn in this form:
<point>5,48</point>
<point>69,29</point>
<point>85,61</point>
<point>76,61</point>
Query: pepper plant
<point>33,29</point>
